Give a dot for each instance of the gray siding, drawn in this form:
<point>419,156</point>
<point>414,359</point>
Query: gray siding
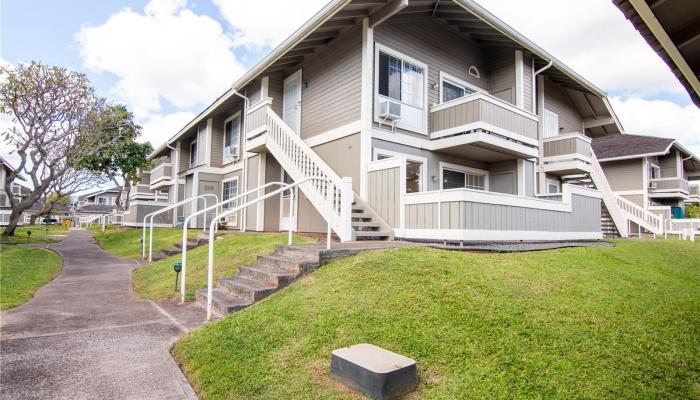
<point>567,146</point>
<point>343,157</point>
<point>138,211</point>
<point>480,110</point>
<point>529,178</point>
<point>527,83</point>
<point>502,66</point>
<point>252,182</point>
<point>557,101</point>
<point>384,193</point>
<point>276,91</point>
<point>585,217</point>
<point>668,165</point>
<point>332,87</point>
<point>256,119</point>
<point>624,175</point>
<point>217,142</point>
<point>509,168</point>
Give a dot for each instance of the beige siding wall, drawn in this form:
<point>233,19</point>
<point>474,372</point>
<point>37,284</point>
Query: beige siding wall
<point>184,155</point>
<point>567,146</point>
<point>502,66</point>
<point>557,101</point>
<point>252,91</point>
<point>384,192</point>
<point>585,217</point>
<point>273,173</point>
<point>528,86</point>
<point>343,157</point>
<point>637,199</point>
<point>624,175</point>
<point>668,165</point>
<point>438,47</point>
<point>332,97</point>
<point>276,91</point>
<point>217,142</point>
<point>252,181</point>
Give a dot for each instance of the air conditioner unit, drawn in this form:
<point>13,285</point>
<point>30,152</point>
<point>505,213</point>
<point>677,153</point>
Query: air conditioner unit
<point>390,110</point>
<point>653,185</point>
<point>231,152</point>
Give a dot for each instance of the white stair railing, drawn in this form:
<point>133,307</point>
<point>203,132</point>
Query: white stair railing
<point>622,210</point>
<point>300,162</point>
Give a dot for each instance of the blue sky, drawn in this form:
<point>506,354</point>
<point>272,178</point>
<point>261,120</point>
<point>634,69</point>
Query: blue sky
<point>167,59</point>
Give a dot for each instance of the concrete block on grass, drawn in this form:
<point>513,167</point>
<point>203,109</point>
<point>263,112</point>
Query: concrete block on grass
<point>376,372</point>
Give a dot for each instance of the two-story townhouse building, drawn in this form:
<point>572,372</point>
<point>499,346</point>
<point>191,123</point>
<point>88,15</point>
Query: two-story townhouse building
<point>18,190</point>
<point>431,121</point>
<point>651,172</point>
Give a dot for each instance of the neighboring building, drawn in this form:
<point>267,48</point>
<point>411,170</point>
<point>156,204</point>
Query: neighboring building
<point>693,193</point>
<point>17,189</point>
<point>433,121</point>
<point>100,201</point>
<point>59,212</point>
<point>651,172</point>
<point>671,29</point>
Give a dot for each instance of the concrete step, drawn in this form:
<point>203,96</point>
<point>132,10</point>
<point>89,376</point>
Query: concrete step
<point>247,288</point>
<point>359,224</point>
<point>361,215</point>
<point>270,275</point>
<point>223,302</point>
<point>364,235</point>
<point>171,251</point>
<point>190,245</point>
<point>306,253</point>
<point>156,257</point>
<point>287,263</point>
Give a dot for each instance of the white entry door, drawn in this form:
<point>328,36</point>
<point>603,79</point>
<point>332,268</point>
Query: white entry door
<point>287,210</point>
<point>291,102</point>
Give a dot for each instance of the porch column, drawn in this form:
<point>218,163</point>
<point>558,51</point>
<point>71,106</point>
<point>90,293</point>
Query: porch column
<point>541,176</point>
<point>366,104</point>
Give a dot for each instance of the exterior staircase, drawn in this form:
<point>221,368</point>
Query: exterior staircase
<point>202,238</point>
<point>271,273</point>
<point>351,219</point>
<point>607,225</point>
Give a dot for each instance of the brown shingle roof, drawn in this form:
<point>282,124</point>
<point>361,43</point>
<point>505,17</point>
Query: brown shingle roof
<point>627,145</point>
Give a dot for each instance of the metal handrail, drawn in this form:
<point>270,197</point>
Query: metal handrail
<point>162,210</point>
<point>210,265</point>
<point>219,204</point>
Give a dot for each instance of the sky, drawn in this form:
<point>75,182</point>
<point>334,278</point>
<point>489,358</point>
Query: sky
<point>168,59</point>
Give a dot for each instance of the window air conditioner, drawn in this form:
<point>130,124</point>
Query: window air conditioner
<point>390,110</point>
<point>231,152</point>
<point>653,185</point>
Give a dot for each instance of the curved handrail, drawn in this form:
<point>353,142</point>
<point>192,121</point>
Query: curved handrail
<point>162,210</point>
<point>187,220</point>
<point>210,265</point>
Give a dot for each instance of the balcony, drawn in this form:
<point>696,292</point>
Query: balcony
<point>161,176</point>
<point>567,154</point>
<point>693,194</point>
<point>480,121</point>
<point>668,188</point>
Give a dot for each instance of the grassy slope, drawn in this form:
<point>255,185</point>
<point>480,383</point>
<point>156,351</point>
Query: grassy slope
<point>39,234</point>
<point>126,242</point>
<point>23,271</point>
<point>157,280</point>
<point>592,323</point>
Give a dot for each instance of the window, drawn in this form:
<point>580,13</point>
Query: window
<point>230,191</point>
<point>452,179</point>
<point>414,176</point>
<point>103,200</point>
<point>452,88</point>
<point>551,124</point>
<point>193,153</point>
<point>553,186</point>
<point>400,80</point>
<point>232,136</point>
<point>654,171</point>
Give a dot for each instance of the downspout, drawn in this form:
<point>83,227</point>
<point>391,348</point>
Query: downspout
<point>246,104</point>
<point>546,67</point>
<point>541,182</point>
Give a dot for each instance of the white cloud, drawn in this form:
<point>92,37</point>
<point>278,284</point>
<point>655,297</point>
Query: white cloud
<point>158,128</point>
<point>593,38</point>
<point>660,118</point>
<point>167,53</point>
<point>265,23</point>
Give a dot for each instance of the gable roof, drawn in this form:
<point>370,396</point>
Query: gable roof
<point>629,146</point>
<point>340,15</point>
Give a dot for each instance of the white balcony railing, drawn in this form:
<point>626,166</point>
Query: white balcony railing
<point>668,185</point>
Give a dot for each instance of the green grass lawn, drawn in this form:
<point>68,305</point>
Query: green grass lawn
<point>23,271</point>
<point>126,242</point>
<point>586,323</point>
<point>40,234</point>
<point>157,280</point>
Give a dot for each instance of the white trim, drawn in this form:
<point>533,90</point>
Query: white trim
<point>262,103</point>
<point>264,86</point>
<point>444,76</point>
<point>366,105</point>
<point>629,192</point>
<point>209,136</point>
<point>480,125</point>
<point>238,190</point>
<point>485,97</point>
<point>565,157</point>
<point>493,235</point>
<point>461,168</point>
<point>335,134</point>
<point>555,182</point>
<point>228,160</point>
<point>191,163</point>
<point>404,157</point>
<point>519,80</point>
<point>378,47</point>
<point>570,135</point>
<point>299,77</point>
<point>255,133</point>
<point>551,113</point>
<point>533,95</point>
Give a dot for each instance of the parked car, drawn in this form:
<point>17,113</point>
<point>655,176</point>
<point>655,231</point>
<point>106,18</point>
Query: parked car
<point>50,221</point>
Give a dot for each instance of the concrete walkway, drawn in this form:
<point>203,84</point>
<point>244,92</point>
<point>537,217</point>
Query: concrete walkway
<point>86,336</point>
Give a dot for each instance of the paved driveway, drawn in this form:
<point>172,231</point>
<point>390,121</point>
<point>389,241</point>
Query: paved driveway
<point>85,335</point>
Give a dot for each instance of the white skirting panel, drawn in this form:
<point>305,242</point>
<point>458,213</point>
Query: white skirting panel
<point>484,235</point>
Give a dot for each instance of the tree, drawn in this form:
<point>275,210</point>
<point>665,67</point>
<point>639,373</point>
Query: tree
<point>125,157</point>
<point>56,120</point>
<point>62,188</point>
<point>692,211</point>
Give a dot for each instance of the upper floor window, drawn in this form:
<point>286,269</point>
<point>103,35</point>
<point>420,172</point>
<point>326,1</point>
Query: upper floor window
<point>193,153</point>
<point>232,136</point>
<point>401,90</point>
<point>453,88</point>
<point>654,171</point>
<point>553,186</point>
